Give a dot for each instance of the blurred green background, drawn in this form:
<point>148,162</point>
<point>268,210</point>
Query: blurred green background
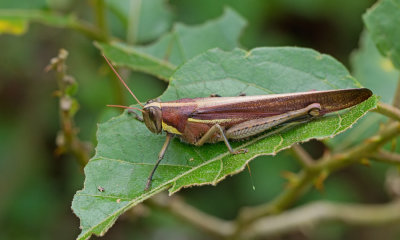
<point>37,186</point>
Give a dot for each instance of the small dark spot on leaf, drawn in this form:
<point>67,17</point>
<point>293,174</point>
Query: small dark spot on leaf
<point>101,189</point>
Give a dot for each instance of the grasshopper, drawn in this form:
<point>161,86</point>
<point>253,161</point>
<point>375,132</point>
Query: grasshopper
<point>213,119</point>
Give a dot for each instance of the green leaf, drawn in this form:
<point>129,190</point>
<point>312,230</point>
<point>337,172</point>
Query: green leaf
<point>161,58</point>
<point>127,150</point>
<point>376,73</point>
<point>373,70</point>
<point>185,42</point>
<point>16,21</point>
<point>383,21</point>
<point>130,57</point>
<point>155,17</point>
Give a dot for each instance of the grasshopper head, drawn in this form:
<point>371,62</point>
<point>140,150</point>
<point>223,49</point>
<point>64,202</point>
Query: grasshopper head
<point>152,117</point>
<point>152,114</point>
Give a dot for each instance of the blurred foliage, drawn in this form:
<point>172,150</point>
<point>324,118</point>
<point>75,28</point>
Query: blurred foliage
<point>176,47</point>
<point>382,22</point>
<point>152,17</point>
<point>37,186</point>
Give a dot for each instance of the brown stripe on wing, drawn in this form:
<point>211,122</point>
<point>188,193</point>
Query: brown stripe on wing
<point>331,101</point>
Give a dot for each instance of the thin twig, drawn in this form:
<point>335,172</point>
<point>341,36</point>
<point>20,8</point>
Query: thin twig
<point>86,29</point>
<point>302,155</point>
<point>396,99</point>
<point>101,19</point>
<point>284,200</point>
<point>305,216</point>
<point>315,213</point>
<point>213,225</point>
<point>360,151</point>
<point>133,21</point>
<point>388,110</point>
<point>58,20</point>
<point>68,140</point>
<point>387,157</point>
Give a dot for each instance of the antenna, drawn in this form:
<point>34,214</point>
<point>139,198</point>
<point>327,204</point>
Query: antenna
<point>123,82</point>
<point>120,106</point>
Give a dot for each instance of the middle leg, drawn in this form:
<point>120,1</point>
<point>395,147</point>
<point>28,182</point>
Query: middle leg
<point>214,129</point>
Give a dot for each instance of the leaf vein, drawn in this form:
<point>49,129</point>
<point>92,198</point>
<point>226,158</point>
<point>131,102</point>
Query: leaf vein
<point>339,125</point>
<point>219,172</point>
<point>279,144</point>
<point>142,163</point>
<point>102,196</point>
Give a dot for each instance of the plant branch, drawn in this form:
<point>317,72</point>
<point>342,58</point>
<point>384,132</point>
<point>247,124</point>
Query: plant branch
<point>87,30</point>
<point>396,99</point>
<point>388,110</point>
<point>67,140</point>
<point>133,21</point>
<point>291,220</point>
<point>317,212</point>
<point>284,200</point>
<point>352,155</point>
<point>386,157</point>
<point>213,225</point>
<point>302,155</point>
<point>55,20</point>
<point>101,20</point>
<point>306,177</point>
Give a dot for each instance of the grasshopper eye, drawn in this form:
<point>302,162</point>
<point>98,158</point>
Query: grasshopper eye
<point>152,117</point>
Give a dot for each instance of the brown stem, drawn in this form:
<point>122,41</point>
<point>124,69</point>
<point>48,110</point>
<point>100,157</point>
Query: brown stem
<point>284,200</point>
<point>302,155</point>
<point>386,157</point>
<point>396,99</point>
<point>318,212</point>
<point>388,110</point>
<point>369,146</point>
<point>67,140</point>
<point>213,225</point>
